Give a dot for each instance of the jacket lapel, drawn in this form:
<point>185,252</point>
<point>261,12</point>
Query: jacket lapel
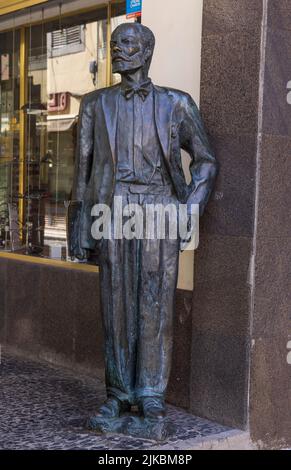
<point>110,110</point>
<point>163,115</point>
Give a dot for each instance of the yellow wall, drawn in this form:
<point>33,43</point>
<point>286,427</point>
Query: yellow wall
<point>7,6</point>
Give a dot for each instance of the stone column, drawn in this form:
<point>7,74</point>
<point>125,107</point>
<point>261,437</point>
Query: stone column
<point>230,80</point>
<point>270,378</point>
<point>242,296</point>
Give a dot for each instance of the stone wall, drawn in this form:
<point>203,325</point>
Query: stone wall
<point>221,303</point>
<point>270,385</point>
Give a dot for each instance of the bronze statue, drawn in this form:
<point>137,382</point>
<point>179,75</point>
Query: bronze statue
<point>129,145</point>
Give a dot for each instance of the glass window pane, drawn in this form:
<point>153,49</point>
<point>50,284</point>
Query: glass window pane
<point>9,136</point>
<point>66,59</point>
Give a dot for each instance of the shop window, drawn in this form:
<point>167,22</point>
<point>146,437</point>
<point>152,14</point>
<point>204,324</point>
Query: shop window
<point>38,125</point>
<point>9,136</point>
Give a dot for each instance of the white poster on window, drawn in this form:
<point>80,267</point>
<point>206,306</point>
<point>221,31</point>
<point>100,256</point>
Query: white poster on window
<point>4,67</point>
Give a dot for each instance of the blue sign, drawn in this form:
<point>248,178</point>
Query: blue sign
<point>133,8</point>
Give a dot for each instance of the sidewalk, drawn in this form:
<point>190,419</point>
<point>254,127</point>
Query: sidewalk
<point>42,407</point>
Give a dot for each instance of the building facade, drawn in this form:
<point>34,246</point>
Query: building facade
<point>231,359</point>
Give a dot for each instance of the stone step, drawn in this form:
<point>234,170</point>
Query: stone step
<point>229,440</point>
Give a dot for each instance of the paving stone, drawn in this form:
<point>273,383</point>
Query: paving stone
<point>44,407</point>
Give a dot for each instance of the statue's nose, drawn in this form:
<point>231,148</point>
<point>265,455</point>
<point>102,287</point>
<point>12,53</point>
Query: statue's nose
<point>116,48</point>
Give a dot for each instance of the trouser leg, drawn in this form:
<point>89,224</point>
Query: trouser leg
<point>138,282</point>
<point>158,279</point>
<point>119,282</point>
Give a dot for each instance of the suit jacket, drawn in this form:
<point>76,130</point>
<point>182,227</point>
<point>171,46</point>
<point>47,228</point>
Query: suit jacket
<point>179,126</point>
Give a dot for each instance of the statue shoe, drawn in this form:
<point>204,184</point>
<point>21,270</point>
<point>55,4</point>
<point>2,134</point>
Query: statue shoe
<point>152,408</point>
<point>112,408</point>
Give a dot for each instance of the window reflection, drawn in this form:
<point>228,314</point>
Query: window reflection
<point>66,59</point>
<point>9,137</point>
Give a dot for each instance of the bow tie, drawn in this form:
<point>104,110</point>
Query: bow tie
<point>142,91</point>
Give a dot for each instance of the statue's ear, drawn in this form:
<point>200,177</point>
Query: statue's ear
<point>147,54</point>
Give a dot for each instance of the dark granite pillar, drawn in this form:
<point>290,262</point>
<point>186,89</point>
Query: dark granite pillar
<point>270,384</point>
<point>242,297</point>
<point>222,294</point>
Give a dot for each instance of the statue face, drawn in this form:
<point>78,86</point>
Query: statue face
<point>128,50</point>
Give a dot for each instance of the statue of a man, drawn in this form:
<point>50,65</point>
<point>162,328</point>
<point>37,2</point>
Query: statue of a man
<point>129,145</point>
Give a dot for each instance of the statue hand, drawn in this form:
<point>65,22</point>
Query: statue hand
<point>184,242</point>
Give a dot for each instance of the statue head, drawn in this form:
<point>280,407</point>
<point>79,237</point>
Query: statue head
<point>132,47</point>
